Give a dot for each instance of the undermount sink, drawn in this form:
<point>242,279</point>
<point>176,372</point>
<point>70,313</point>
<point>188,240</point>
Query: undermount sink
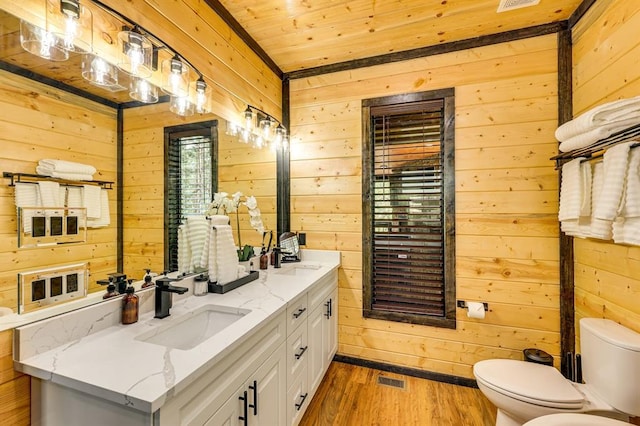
<point>189,330</point>
<point>298,270</point>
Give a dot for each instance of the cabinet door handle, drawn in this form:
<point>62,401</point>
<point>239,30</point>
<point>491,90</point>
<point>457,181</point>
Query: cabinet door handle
<point>302,351</point>
<point>244,418</point>
<point>299,405</point>
<point>301,311</point>
<point>328,306</point>
<point>254,388</point>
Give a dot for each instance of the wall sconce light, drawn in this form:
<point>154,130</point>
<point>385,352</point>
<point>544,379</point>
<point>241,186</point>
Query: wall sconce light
<point>137,54</point>
<point>141,90</point>
<point>98,71</point>
<point>72,23</point>
<point>175,77</point>
<point>203,97</point>
<point>269,131</point>
<point>181,105</point>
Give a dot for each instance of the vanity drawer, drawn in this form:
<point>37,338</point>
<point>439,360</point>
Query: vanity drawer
<point>297,351</point>
<point>297,312</point>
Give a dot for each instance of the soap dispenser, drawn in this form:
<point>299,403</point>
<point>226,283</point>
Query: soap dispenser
<point>111,292</point>
<point>130,306</point>
<point>148,279</point>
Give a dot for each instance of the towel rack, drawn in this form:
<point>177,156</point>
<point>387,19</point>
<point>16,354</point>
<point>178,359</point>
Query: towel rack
<point>597,148</point>
<point>33,178</point>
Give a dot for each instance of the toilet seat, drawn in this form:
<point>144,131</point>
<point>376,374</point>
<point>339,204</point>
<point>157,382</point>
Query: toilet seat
<point>529,382</point>
<point>574,420</point>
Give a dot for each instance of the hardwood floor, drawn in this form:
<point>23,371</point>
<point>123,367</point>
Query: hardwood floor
<point>350,395</point>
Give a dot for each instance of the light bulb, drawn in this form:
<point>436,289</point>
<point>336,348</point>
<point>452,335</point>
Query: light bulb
<point>248,119</point>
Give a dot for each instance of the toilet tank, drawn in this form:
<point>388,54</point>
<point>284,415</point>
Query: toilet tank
<point>611,363</point>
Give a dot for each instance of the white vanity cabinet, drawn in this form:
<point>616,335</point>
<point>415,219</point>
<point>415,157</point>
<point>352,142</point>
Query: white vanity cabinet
<point>323,336</point>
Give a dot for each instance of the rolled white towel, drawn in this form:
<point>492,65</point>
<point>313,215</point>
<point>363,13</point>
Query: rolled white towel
<point>62,166</point>
<point>570,190</point>
<point>610,112</point>
<point>615,169</point>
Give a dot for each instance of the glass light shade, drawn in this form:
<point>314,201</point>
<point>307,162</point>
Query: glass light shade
<point>98,71</point>
<point>175,77</point>
<point>265,128</point>
<point>137,54</point>
<point>233,129</point>
<point>248,118</point>
<point>42,43</point>
<point>203,97</point>
<point>180,105</point>
<point>143,91</point>
<point>285,143</point>
<point>72,23</point>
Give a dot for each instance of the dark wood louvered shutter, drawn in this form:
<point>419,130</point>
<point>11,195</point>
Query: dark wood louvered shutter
<point>407,253</point>
<point>190,179</point>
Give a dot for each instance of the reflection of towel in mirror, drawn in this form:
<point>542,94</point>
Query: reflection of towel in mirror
<point>65,169</point>
<point>104,218</point>
<point>226,256</point>
<point>197,232</point>
<point>74,197</point>
<point>184,259</point>
<point>92,200</point>
<point>212,254</point>
<point>27,195</point>
<point>50,194</point>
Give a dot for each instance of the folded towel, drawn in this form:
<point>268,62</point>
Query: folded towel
<point>197,232</point>
<point>62,166</point>
<point>226,257</point>
<point>627,231</point>
<point>570,190</point>
<point>91,200</point>
<point>631,196</point>
<point>212,253</point>
<point>184,259</point>
<point>104,218</point>
<point>50,194</point>
<point>592,136</point>
<point>621,110</point>
<point>585,187</point>
<point>74,196</point>
<point>66,176</point>
<point>599,228</point>
<point>615,170</point>
<point>27,195</point>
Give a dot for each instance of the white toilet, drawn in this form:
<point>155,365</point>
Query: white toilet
<point>566,419</point>
<point>523,390</point>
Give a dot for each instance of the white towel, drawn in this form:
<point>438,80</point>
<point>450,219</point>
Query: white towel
<point>50,194</point>
<point>226,257</point>
<point>104,218</point>
<point>212,261</point>
<point>627,231</point>
<point>631,197</point>
<point>197,232</point>
<point>605,114</point>
<point>27,195</point>
<point>599,228</point>
<point>62,175</point>
<point>184,260</point>
<point>570,190</point>
<point>62,166</point>
<point>585,187</point>
<point>74,197</point>
<point>585,139</point>
<point>91,200</point>
<point>615,170</point>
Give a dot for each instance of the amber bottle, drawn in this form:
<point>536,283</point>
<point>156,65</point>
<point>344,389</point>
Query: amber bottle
<point>130,305</point>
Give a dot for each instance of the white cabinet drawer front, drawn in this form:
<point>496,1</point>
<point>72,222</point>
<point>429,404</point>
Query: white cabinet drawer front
<point>298,399</point>
<point>322,289</point>
<point>297,351</point>
<point>297,312</point>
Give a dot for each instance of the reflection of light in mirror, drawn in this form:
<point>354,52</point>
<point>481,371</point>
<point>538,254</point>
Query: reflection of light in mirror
<point>203,97</point>
<point>180,105</point>
<point>98,71</point>
<point>143,91</point>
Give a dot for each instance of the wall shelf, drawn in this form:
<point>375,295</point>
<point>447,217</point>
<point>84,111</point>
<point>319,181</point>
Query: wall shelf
<point>598,148</point>
<point>33,178</point>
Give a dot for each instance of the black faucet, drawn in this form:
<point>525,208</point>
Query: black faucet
<point>164,300</point>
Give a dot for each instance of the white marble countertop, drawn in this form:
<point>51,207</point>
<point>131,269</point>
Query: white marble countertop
<point>101,357</point>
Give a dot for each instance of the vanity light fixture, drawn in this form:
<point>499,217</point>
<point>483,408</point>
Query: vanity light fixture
<point>175,76</point>
<point>269,131</point>
<point>141,90</point>
<point>203,96</point>
<point>181,105</point>
<point>98,71</point>
<point>137,54</point>
<point>42,43</point>
<point>72,23</point>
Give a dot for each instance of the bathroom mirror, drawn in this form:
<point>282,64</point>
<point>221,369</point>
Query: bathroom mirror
<point>289,247</point>
<point>61,127</point>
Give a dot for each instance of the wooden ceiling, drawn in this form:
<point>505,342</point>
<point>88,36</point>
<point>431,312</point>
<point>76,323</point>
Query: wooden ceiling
<point>303,34</point>
<point>299,35</point>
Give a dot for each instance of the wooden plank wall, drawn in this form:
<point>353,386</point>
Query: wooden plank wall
<point>240,168</point>
<point>606,51</point>
<point>506,199</point>
<point>40,122</point>
<point>15,388</point>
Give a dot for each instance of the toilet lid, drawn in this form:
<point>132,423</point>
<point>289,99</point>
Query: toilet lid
<point>567,419</point>
<point>534,383</point>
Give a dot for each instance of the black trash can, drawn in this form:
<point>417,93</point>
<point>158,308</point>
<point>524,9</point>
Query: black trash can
<point>537,356</point>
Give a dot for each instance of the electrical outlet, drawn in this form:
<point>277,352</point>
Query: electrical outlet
<point>46,287</point>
